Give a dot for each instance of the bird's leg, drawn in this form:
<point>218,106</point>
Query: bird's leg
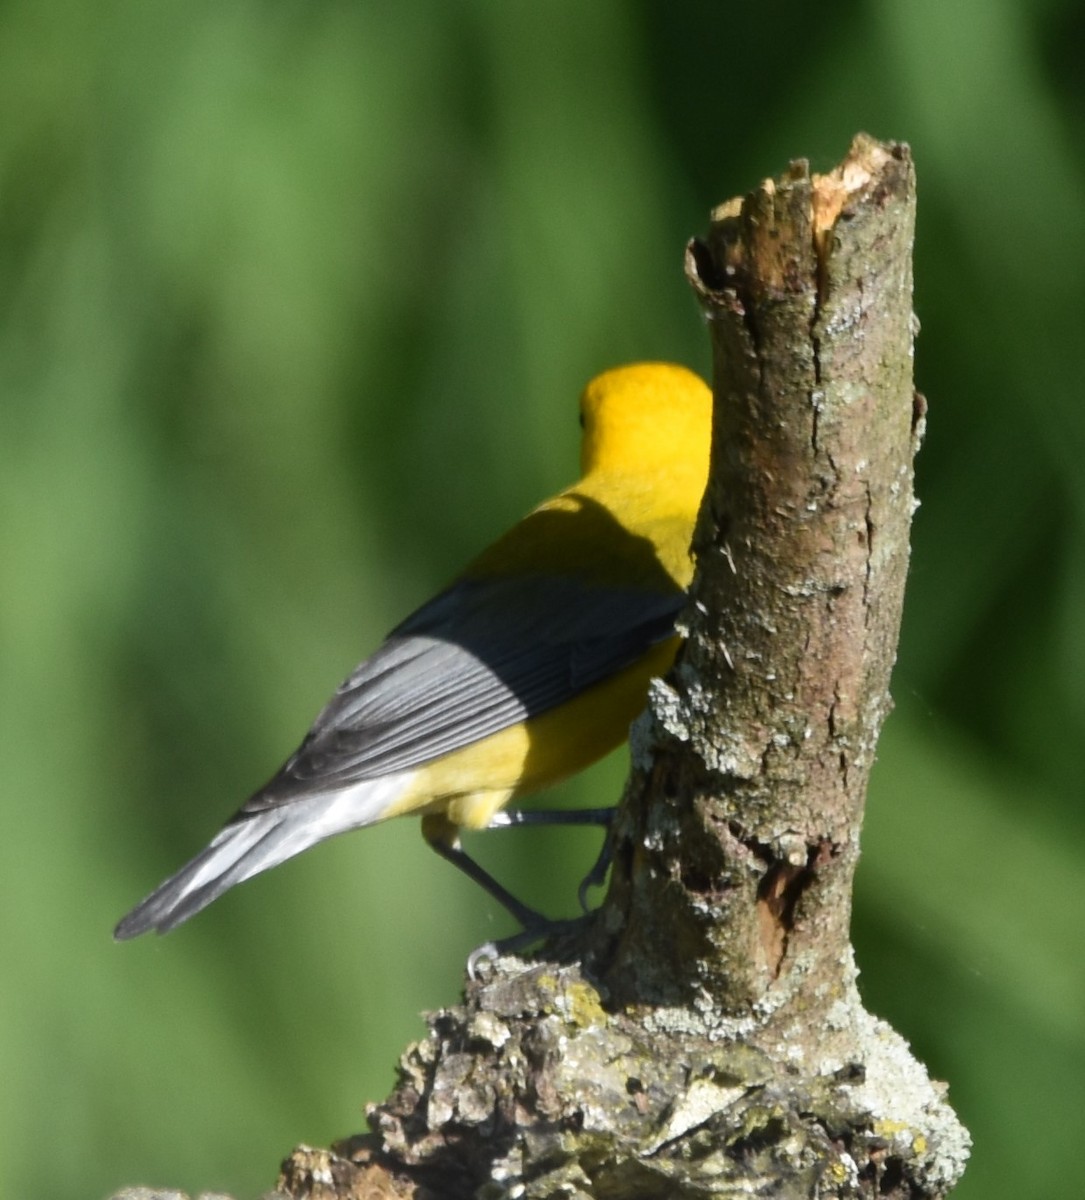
<point>596,877</point>
<point>510,818</point>
<point>506,818</point>
<point>443,836</point>
<point>455,854</point>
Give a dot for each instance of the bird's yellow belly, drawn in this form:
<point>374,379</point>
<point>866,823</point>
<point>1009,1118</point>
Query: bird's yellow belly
<point>468,786</point>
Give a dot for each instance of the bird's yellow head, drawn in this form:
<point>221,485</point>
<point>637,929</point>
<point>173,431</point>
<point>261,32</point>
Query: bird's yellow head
<point>645,417</point>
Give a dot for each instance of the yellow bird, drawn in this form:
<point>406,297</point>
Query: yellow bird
<point>527,668</point>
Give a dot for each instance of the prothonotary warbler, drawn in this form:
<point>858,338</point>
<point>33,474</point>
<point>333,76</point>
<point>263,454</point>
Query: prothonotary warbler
<point>527,668</point>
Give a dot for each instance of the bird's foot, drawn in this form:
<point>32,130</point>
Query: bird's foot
<point>597,876</point>
<point>528,936</point>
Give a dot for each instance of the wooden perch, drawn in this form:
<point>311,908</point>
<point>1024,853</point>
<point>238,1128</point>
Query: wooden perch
<point>703,1036</point>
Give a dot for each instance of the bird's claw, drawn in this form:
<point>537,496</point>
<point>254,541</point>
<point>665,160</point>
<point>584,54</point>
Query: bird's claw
<point>597,876</point>
<point>516,942</point>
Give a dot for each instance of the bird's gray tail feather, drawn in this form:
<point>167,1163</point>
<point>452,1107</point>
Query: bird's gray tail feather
<point>254,842</point>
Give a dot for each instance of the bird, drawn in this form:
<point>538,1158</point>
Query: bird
<point>530,665</point>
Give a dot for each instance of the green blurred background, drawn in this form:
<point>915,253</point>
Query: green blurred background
<point>295,303</point>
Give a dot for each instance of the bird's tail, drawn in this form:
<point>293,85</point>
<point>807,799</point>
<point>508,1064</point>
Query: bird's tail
<point>254,841</point>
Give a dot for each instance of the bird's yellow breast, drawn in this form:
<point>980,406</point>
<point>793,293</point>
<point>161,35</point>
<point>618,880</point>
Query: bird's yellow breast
<point>471,784</point>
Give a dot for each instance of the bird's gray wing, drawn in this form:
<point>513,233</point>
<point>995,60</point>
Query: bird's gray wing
<point>479,657</point>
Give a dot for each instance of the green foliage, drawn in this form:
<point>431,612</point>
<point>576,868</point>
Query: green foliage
<point>295,302</point>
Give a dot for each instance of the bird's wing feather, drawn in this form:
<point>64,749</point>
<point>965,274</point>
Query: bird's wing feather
<point>481,656</point>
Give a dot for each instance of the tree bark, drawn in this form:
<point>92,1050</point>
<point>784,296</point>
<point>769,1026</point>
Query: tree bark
<point>702,1036</point>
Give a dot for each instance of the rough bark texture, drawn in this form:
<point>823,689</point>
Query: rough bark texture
<point>703,1036</point>
<point>802,551</point>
